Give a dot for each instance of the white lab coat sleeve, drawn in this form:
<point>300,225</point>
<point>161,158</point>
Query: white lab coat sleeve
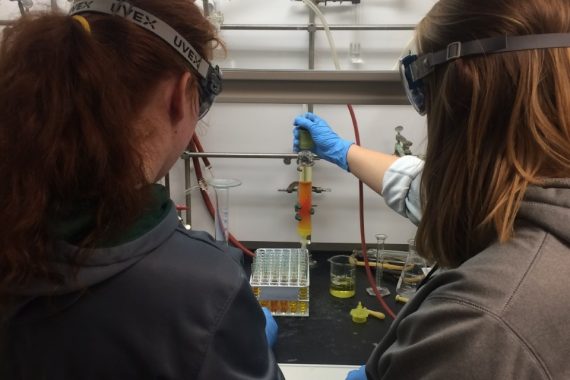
<point>401,187</point>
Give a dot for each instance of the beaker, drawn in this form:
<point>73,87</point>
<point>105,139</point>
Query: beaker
<point>221,206</point>
<point>343,276</point>
<point>413,272</point>
<point>380,260</point>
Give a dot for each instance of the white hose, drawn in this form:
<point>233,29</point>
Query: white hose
<point>321,17</point>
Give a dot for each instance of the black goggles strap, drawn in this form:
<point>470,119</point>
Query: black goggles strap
<point>426,63</point>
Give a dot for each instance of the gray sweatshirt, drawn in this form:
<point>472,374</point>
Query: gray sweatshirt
<point>169,304</point>
<point>503,314</point>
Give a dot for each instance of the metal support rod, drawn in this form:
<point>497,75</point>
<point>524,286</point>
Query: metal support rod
<point>286,157</point>
<point>292,156</point>
<point>311,30</point>
<point>206,8</point>
<point>354,2</point>
<point>21,6</point>
<point>188,185</point>
<point>386,27</point>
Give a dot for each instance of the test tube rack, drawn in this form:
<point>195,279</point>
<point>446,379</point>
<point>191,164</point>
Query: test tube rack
<point>280,280</point>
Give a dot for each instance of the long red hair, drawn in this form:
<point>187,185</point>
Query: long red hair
<point>68,102</point>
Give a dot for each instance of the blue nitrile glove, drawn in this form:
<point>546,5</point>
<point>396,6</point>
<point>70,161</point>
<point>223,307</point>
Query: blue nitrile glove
<point>357,374</point>
<point>270,327</point>
<point>328,145</point>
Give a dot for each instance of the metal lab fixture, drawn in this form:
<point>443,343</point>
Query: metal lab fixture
<point>402,147</point>
<point>312,27</point>
<point>187,155</point>
<point>354,2</point>
<point>309,86</point>
<point>24,6</point>
<point>312,36</point>
<point>313,87</point>
<point>293,187</point>
<point>286,157</point>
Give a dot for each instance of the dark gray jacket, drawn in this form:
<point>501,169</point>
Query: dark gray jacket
<point>503,314</point>
<point>171,304</point>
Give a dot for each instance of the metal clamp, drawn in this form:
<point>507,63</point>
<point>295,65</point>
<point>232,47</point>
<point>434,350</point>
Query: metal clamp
<point>315,189</point>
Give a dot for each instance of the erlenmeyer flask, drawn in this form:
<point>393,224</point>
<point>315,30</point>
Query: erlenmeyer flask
<point>413,272</point>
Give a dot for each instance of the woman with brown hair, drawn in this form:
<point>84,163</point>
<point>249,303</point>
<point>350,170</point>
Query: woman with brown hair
<point>98,280</point>
<point>492,78</point>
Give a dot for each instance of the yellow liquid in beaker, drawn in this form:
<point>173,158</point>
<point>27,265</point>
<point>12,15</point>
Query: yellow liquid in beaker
<point>342,287</point>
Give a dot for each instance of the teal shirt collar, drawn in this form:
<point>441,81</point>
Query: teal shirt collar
<point>72,229</point>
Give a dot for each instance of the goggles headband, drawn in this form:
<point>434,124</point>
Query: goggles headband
<point>426,63</point>
<point>211,82</point>
<point>414,68</point>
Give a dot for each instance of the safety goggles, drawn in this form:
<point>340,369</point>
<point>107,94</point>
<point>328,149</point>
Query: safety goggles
<point>208,89</point>
<point>210,81</point>
<point>414,68</point>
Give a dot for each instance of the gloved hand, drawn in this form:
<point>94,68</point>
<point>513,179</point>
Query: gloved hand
<point>270,327</point>
<point>328,145</point>
<point>357,374</point>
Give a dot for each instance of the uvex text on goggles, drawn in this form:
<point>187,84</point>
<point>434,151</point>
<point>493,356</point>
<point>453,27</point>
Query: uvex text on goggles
<point>210,81</point>
<point>414,68</point>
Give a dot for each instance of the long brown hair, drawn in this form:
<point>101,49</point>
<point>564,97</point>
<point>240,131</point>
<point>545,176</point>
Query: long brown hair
<point>496,123</point>
<point>69,100</point>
